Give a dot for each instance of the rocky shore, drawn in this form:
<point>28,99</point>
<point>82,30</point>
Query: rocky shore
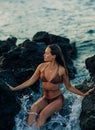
<point>17,64</point>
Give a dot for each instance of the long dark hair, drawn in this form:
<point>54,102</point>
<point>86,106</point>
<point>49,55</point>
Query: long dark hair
<point>56,50</point>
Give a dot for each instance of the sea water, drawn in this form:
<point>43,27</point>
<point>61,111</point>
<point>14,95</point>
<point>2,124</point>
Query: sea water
<point>74,19</point>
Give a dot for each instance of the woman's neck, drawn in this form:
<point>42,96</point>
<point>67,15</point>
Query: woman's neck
<point>53,64</point>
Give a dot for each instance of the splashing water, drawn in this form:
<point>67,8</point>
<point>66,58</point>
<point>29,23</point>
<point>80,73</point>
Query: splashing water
<point>68,120</point>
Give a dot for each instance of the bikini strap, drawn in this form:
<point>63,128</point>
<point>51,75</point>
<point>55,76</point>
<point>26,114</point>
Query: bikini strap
<point>44,67</point>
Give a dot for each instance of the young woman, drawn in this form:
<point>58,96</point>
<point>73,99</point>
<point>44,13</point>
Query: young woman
<point>52,72</point>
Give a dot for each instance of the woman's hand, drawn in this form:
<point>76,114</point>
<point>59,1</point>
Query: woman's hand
<point>87,93</point>
<point>11,88</point>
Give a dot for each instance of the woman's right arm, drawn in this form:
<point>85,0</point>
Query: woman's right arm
<point>29,82</point>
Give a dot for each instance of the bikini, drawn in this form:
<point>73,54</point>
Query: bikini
<point>57,79</point>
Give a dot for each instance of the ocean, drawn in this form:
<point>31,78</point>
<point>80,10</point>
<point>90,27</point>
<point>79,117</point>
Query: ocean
<point>73,19</point>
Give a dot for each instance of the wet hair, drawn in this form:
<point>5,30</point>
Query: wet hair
<point>56,50</point>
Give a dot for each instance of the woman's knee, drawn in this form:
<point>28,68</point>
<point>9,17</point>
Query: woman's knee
<point>41,119</point>
<point>43,116</point>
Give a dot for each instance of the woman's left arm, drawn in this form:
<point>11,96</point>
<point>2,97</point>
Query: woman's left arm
<point>68,85</point>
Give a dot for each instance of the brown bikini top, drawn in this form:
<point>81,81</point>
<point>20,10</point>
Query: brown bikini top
<point>56,79</point>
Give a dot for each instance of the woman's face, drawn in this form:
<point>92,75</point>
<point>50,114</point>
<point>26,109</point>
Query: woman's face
<point>48,56</point>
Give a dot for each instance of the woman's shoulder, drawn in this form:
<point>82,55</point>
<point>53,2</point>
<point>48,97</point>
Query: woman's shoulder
<point>62,70</point>
<point>42,65</point>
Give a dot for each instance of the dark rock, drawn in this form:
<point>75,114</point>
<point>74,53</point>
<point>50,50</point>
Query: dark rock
<point>49,38</point>
<point>41,37</point>
<point>57,39</point>
<point>73,51</point>
<point>87,116</point>
<point>9,107</point>
<point>91,31</point>
<point>90,65</point>
<point>12,42</point>
<point>7,45</point>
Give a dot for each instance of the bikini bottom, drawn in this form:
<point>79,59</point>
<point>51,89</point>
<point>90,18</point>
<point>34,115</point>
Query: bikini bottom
<point>53,99</point>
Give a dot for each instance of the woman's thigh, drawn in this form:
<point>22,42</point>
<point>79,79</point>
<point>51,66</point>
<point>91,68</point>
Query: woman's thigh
<point>39,105</point>
<point>53,107</point>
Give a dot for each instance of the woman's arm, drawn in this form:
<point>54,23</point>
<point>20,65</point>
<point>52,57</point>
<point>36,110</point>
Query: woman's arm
<point>29,82</point>
<point>71,88</point>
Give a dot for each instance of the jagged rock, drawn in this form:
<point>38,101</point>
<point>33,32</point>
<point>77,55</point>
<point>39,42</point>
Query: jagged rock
<point>18,63</point>
<point>9,107</point>
<point>87,115</point>
<point>7,45</point>
<point>90,65</point>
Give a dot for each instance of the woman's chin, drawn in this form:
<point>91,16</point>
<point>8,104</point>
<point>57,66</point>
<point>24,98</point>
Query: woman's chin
<point>45,60</point>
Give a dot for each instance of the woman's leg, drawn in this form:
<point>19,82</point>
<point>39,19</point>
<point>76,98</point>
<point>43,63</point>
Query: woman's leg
<point>50,109</point>
<point>35,109</point>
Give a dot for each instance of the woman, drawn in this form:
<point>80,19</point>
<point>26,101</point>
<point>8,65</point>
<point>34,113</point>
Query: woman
<point>52,72</point>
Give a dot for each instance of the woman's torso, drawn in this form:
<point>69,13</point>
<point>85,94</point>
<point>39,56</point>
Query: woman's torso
<point>51,82</point>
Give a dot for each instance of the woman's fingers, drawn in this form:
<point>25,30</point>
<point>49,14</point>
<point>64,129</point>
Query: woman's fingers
<point>91,90</point>
<point>11,87</point>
